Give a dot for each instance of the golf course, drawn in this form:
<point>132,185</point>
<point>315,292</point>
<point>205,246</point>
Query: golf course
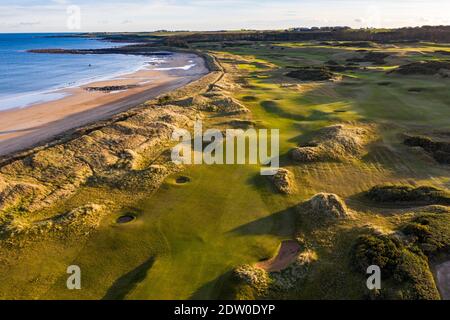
<point>364,136</point>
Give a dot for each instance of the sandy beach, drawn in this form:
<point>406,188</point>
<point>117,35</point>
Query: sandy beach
<point>23,128</point>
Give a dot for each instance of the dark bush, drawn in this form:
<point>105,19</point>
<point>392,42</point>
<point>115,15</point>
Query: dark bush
<point>424,194</point>
<point>431,233</point>
<point>405,271</point>
<point>373,250</point>
<point>311,74</point>
<point>423,68</point>
<point>372,57</point>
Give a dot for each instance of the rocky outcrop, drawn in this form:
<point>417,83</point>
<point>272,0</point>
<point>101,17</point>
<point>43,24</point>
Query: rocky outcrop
<point>107,89</point>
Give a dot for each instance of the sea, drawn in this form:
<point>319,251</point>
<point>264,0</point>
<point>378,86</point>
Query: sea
<point>30,78</point>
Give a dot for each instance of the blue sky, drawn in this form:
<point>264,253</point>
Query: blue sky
<point>148,15</point>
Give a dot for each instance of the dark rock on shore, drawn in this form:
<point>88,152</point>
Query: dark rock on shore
<point>111,88</point>
<point>142,49</point>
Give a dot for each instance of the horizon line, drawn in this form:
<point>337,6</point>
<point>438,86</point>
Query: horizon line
<point>230,30</point>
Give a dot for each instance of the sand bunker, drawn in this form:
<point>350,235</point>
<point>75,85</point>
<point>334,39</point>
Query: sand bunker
<point>249,98</point>
<point>126,219</point>
<point>335,143</point>
<point>280,274</point>
<point>291,277</point>
<point>288,252</point>
<point>183,180</point>
<point>443,279</point>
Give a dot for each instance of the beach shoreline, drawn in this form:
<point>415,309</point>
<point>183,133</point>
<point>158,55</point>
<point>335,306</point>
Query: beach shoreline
<point>27,127</point>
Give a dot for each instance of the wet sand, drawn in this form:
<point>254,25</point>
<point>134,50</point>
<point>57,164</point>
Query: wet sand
<point>23,128</point>
<point>443,279</point>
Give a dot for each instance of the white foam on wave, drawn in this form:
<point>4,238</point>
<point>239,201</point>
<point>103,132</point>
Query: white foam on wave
<point>185,68</point>
<point>26,100</point>
<point>56,93</point>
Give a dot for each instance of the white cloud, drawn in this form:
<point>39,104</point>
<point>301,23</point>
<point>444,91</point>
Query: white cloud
<point>129,15</point>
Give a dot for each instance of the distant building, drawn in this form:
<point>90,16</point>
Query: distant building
<point>299,30</point>
<point>336,28</point>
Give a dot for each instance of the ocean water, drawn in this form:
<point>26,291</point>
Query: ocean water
<point>30,78</point>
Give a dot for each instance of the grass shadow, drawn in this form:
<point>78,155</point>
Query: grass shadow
<point>273,108</point>
<point>281,224</point>
<point>128,282</point>
<point>218,289</point>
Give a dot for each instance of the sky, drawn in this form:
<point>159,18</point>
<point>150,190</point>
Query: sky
<point>151,15</point>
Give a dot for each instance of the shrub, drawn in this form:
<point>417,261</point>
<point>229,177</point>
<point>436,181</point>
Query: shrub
<point>381,251</point>
<point>431,233</point>
<point>425,194</point>
<point>311,74</point>
<point>405,271</point>
<point>423,68</point>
